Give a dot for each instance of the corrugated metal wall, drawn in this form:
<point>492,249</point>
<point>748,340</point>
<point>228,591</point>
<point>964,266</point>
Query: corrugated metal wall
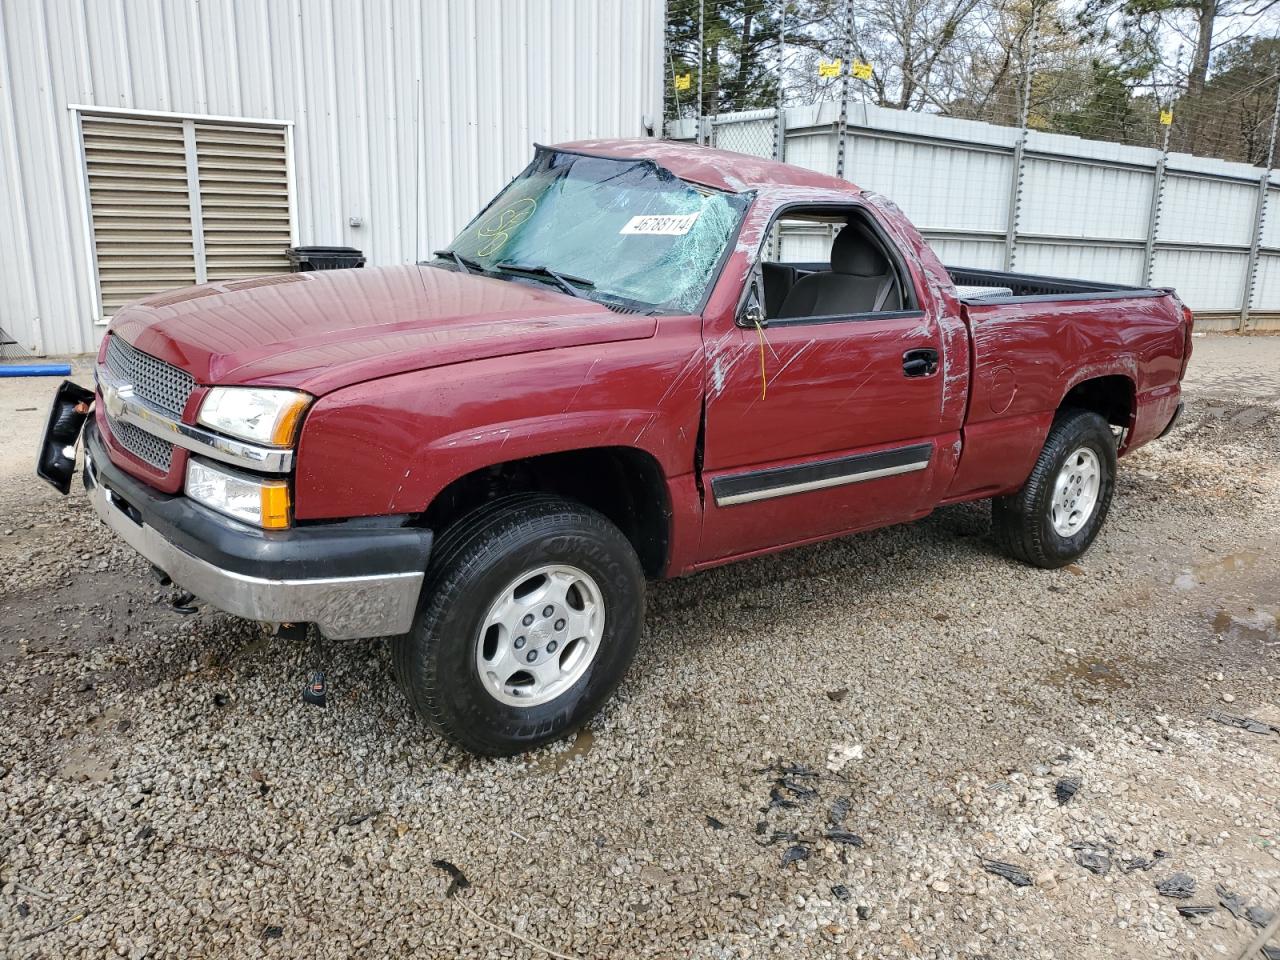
<point>1084,209</point>
<point>406,114</point>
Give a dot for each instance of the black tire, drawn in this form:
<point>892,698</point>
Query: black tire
<point>473,561</point>
<point>1022,522</point>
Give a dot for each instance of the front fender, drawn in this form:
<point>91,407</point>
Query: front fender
<point>390,446</point>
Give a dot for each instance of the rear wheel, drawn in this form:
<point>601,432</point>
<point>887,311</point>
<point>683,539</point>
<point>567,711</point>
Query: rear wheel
<point>530,617</point>
<point>1058,513</point>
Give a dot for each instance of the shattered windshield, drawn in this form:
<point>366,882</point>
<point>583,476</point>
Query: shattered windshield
<point>612,230</point>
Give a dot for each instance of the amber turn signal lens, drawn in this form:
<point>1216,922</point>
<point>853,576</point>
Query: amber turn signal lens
<point>275,506</point>
<point>286,428</point>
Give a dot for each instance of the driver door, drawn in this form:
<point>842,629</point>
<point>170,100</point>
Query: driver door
<point>819,425</point>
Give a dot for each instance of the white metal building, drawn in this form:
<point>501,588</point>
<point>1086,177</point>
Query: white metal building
<point>147,144</point>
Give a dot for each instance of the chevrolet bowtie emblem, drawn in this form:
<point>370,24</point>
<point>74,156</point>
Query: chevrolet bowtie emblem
<point>115,397</point>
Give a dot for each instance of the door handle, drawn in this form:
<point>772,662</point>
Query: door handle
<point>919,363</point>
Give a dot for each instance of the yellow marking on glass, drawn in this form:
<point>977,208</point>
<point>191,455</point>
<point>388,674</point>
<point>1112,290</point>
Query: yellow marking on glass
<point>499,233</point>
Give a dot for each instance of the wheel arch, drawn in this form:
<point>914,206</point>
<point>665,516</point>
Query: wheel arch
<point>625,484</point>
<point>1112,396</point>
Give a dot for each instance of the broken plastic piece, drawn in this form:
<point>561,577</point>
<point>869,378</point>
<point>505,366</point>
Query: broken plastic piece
<point>1232,901</point>
<point>183,603</point>
<point>1094,862</point>
<point>1066,789</point>
<point>1015,875</point>
<point>1176,885</point>
<point>1259,916</point>
<point>1244,723</point>
<point>839,810</point>
<point>840,892</point>
<point>776,799</point>
<point>795,854</point>
<point>713,823</point>
<point>457,879</point>
<point>844,836</point>
<point>1196,909</point>
<point>315,691</point>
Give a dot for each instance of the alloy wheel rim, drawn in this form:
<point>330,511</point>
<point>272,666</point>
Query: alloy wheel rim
<point>540,634</point>
<point>1075,492</point>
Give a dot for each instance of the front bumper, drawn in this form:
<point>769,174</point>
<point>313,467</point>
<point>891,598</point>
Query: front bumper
<point>359,578</point>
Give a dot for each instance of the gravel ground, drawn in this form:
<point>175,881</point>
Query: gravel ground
<point>164,792</point>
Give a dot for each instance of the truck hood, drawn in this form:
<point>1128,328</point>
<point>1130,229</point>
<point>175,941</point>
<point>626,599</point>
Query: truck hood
<point>324,330</point>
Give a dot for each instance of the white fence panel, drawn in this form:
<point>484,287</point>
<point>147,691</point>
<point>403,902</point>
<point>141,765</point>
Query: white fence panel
<point>1203,211</point>
<point>1060,200</point>
<point>939,186</point>
<point>1208,280</point>
<point>1111,264</point>
<point>968,252</point>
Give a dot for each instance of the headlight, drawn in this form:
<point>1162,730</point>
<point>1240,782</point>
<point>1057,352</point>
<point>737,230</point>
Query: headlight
<point>254,413</point>
<point>264,503</point>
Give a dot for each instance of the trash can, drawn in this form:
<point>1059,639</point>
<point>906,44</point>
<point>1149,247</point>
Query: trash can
<point>324,258</point>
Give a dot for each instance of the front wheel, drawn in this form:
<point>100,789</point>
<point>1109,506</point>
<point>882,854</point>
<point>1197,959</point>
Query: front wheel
<point>1058,513</point>
<point>531,615</point>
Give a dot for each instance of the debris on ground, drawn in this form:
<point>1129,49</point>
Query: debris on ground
<point>1143,863</point>
<point>1233,902</point>
<point>841,753</point>
<point>1015,875</point>
<point>1065,789</point>
<point>1192,910</point>
<point>457,879</point>
<point>841,892</point>
<point>1259,916</point>
<point>840,807</point>
<point>835,696</point>
<point>844,836</point>
<point>777,800</point>
<point>713,823</point>
<point>794,854</point>
<point>355,820</point>
<point>1179,886</point>
<point>1251,724</point>
<point>864,912</point>
<point>272,932</point>
<point>1094,862</point>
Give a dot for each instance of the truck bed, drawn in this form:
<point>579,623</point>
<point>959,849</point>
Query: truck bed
<point>996,286</point>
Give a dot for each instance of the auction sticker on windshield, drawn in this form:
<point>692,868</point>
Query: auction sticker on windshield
<point>665,225</point>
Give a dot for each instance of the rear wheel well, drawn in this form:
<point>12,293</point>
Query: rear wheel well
<point>624,484</point>
<point>1110,397</point>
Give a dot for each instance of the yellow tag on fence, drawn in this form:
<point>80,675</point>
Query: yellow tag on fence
<point>1166,118</point>
<point>684,81</point>
<point>830,68</point>
<point>861,70</point>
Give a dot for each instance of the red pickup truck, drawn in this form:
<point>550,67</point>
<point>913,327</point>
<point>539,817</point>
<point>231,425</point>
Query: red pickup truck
<point>609,376</point>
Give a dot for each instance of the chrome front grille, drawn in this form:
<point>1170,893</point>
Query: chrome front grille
<point>160,384</point>
<point>147,447</point>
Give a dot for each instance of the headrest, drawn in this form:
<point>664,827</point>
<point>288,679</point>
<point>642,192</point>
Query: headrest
<point>855,253</point>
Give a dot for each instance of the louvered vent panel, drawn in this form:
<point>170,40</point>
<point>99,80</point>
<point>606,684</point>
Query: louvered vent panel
<point>244,200</point>
<point>141,211</point>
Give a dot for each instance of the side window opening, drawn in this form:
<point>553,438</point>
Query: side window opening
<point>829,263</point>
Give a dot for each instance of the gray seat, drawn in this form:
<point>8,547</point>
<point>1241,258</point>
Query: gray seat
<point>860,281</point>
